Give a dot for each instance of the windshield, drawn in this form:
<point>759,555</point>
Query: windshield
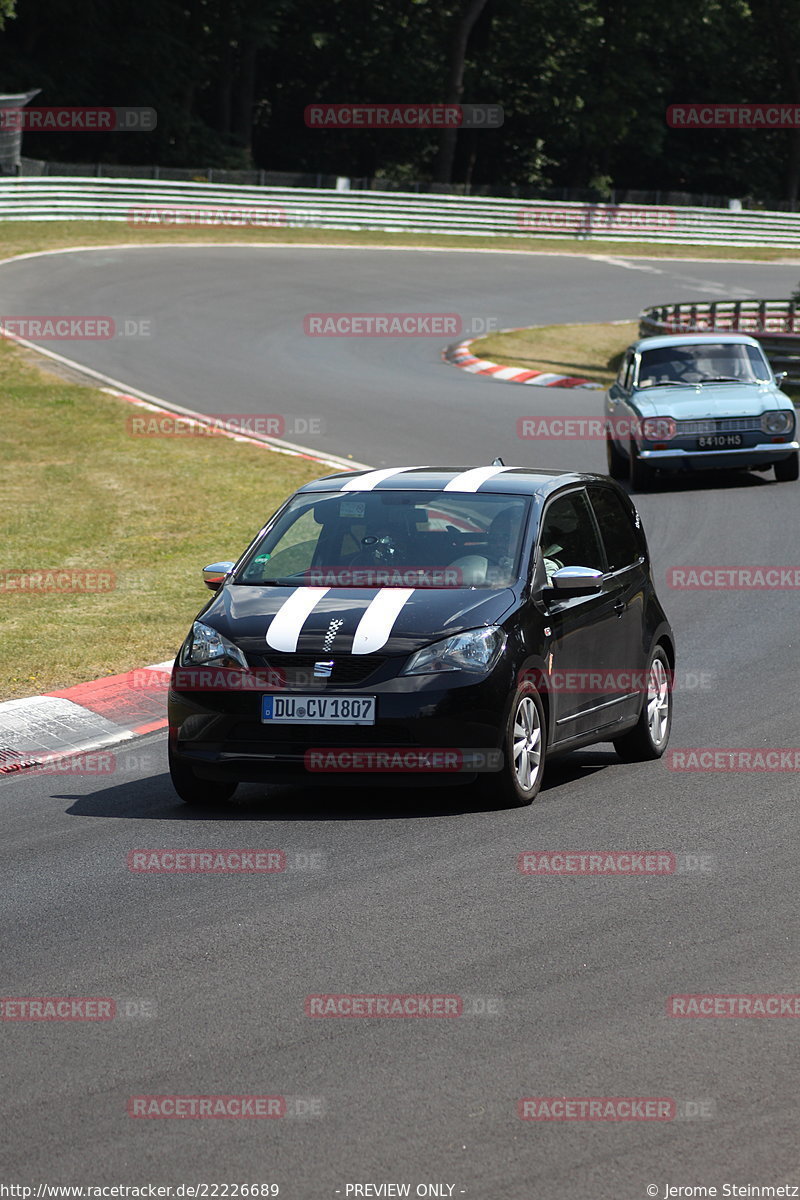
<point>702,363</point>
<point>391,539</point>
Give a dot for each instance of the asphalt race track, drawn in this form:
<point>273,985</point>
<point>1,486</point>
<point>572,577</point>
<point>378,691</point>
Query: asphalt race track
<point>417,891</point>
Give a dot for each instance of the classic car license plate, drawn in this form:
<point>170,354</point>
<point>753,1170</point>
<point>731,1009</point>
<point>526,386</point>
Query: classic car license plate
<point>318,710</point>
<point>719,441</point>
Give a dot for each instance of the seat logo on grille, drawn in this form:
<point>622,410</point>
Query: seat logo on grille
<point>322,670</point>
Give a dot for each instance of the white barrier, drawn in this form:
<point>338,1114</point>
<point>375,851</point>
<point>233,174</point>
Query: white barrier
<point>60,198</point>
<point>775,323</point>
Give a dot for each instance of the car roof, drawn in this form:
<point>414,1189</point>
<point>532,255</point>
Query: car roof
<point>681,339</point>
<point>507,481</point>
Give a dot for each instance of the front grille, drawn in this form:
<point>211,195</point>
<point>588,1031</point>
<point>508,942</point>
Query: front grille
<point>289,739</point>
<point>718,425</point>
<point>298,669</point>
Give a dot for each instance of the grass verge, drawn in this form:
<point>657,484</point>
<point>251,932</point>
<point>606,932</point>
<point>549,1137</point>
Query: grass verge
<point>590,351</point>
<point>25,237</point>
<point>82,494</point>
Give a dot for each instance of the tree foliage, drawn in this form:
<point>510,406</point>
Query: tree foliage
<point>585,85</point>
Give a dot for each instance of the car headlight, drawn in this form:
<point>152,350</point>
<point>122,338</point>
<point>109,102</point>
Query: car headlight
<point>776,422</point>
<point>477,650</point>
<point>658,429</point>
<point>205,646</point>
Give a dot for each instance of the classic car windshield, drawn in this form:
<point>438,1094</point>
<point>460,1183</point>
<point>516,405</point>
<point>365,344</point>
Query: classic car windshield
<point>702,362</point>
<point>392,539</point>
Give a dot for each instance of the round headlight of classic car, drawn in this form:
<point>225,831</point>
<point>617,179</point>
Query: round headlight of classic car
<point>777,422</point>
<point>658,429</point>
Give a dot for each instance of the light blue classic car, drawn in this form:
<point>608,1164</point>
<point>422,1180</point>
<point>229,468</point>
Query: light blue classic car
<point>696,401</point>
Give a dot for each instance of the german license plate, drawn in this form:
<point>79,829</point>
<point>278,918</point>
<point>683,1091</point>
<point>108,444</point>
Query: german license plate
<point>719,441</point>
<point>318,710</point>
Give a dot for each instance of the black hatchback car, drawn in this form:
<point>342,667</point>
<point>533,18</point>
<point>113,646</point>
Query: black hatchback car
<point>425,624</point>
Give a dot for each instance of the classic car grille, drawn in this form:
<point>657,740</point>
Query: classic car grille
<point>718,425</point>
<point>298,669</point>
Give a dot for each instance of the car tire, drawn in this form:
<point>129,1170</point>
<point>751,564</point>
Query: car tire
<point>648,738</point>
<point>639,474</point>
<point>526,730</point>
<point>617,463</point>
<point>788,469</point>
<point>200,793</point>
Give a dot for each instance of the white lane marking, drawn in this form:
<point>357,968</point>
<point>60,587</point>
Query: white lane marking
<point>624,262</point>
<point>285,627</point>
<point>143,399</point>
<point>470,481</point>
<point>709,286</point>
<point>377,622</point>
<point>365,483</point>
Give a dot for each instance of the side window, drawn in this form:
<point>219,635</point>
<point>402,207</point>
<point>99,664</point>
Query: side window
<point>624,369</point>
<point>567,536</point>
<point>616,526</point>
<point>625,377</point>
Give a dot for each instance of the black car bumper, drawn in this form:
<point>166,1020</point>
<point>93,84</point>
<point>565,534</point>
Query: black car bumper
<point>426,730</point>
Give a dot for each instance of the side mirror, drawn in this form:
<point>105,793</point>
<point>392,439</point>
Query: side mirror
<point>576,579</point>
<point>214,575</point>
<point>780,376</point>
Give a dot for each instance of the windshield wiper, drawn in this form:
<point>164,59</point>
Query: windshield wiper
<point>645,387</point>
<point>724,379</point>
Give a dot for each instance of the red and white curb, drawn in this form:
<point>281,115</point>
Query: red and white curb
<point>84,718</point>
<point>459,355</point>
<point>94,715</point>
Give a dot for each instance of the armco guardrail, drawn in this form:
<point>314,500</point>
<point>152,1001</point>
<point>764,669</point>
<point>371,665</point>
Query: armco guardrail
<point>775,323</point>
<point>52,199</point>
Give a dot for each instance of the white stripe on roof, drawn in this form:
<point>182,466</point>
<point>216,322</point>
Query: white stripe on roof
<point>365,483</point>
<point>470,481</point>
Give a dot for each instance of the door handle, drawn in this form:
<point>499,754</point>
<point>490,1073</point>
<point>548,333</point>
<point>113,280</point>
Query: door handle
<point>619,607</point>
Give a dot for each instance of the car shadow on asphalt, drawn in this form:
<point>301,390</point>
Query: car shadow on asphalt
<point>153,799</point>
<point>709,481</point>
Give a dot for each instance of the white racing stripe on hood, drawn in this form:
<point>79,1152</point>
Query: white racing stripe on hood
<point>365,483</point>
<point>290,618</point>
<point>375,627</point>
<point>470,481</point>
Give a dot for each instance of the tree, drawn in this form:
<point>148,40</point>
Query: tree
<point>443,170</point>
